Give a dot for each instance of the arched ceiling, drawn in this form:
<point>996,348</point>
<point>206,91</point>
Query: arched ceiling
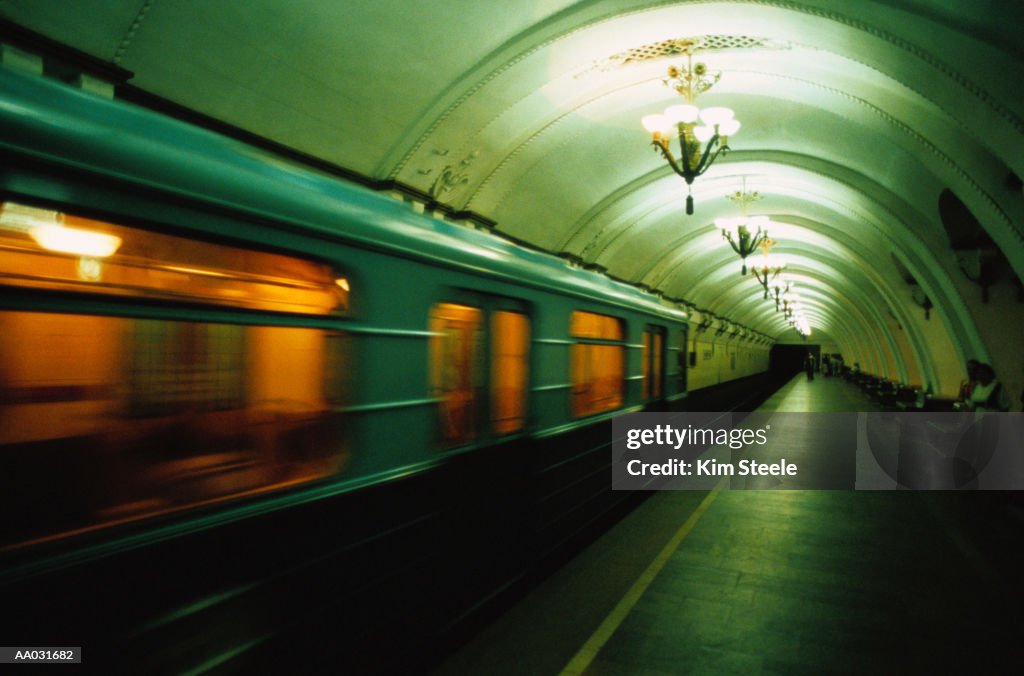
<point>856,116</point>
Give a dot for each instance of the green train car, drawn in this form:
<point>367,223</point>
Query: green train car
<point>252,415</point>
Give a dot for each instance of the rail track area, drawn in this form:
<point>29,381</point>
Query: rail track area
<point>777,582</point>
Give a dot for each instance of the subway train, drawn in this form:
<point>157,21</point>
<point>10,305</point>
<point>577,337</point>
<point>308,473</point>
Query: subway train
<point>255,416</point>
<point>249,411</point>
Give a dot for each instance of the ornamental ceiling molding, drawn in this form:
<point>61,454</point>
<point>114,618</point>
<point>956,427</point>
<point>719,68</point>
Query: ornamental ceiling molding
<point>500,196</point>
<point>129,36</point>
<point>678,47</point>
<point>397,167</point>
<point>1004,219</point>
<point>1016,121</point>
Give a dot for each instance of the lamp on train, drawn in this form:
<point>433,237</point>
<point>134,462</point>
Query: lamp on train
<point>47,228</point>
<point>699,144</point>
<point>75,241</point>
<point>744,233</point>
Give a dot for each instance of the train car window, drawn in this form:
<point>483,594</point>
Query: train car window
<point>180,366</point>
<point>657,361</point>
<point>682,359</point>
<point>645,359</point>
<point>510,344</point>
<point>107,419</point>
<point>455,353</point>
<point>47,249</point>
<point>653,362</point>
<point>597,363</point>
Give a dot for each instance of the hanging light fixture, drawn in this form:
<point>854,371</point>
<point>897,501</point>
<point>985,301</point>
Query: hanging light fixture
<point>699,144</point>
<point>777,292</point>
<point>792,308</point>
<point>790,298</point>
<point>765,268</point>
<point>744,233</point>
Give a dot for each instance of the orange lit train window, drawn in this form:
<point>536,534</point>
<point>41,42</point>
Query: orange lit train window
<point>105,419</point>
<point>510,344</point>
<point>645,360</point>
<point>597,366</point>
<point>47,249</point>
<point>658,360</point>
<point>682,360</point>
<point>455,371</point>
<point>653,362</point>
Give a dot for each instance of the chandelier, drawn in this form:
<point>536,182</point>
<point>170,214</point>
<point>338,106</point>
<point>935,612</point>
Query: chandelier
<point>790,300</point>
<point>778,290</point>
<point>765,268</point>
<point>744,233</point>
<point>699,144</point>
<point>791,308</point>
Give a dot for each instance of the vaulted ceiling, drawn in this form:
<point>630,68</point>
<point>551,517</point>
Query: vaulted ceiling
<point>856,116</point>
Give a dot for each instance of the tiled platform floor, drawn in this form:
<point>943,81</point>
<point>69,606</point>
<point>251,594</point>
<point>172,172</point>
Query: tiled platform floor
<point>781,582</point>
<point>826,395</point>
<point>817,582</point>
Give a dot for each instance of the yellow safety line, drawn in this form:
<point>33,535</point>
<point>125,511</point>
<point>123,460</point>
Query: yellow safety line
<point>579,663</point>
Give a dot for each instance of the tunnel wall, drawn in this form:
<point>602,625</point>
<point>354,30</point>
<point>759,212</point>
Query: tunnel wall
<point>719,359</point>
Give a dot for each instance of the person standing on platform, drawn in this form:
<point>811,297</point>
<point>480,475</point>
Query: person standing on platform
<point>809,365</point>
<point>988,393</point>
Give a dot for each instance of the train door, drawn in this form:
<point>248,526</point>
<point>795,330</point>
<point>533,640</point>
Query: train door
<point>683,358</point>
<point>479,368</point>
<point>455,373</point>
<point>509,372</point>
<point>653,362</point>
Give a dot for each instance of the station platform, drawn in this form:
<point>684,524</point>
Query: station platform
<point>783,582</point>
<point>821,395</point>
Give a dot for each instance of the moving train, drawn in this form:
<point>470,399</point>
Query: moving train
<point>249,412</point>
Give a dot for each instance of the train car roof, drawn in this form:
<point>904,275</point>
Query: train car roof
<point>67,126</point>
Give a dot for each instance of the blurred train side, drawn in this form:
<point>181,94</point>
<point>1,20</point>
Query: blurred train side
<point>387,537</point>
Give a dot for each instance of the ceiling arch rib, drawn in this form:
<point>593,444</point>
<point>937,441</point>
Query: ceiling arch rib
<point>703,274</point>
<point>853,319</point>
<point>921,244</point>
<point>828,305</point>
<point>745,302</point>
<point>837,271</point>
